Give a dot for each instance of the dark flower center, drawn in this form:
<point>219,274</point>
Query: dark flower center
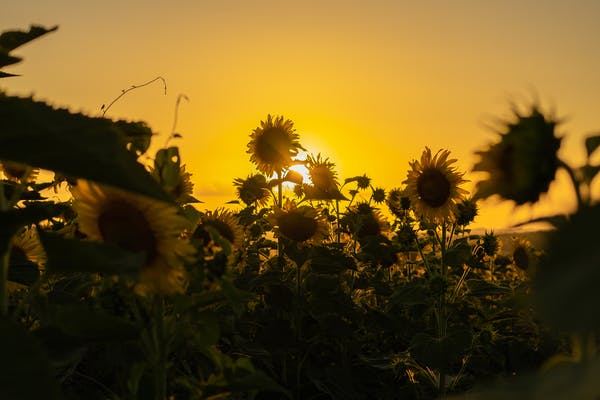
<point>297,227</point>
<point>368,226</point>
<point>433,188</point>
<point>127,227</point>
<point>273,146</point>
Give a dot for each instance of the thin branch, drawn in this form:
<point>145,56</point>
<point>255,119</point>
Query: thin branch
<point>133,87</point>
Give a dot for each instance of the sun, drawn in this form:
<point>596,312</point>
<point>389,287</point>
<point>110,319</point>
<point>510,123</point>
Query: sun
<point>301,169</point>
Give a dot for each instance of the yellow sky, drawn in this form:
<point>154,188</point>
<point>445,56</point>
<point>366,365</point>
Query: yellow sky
<point>368,84</point>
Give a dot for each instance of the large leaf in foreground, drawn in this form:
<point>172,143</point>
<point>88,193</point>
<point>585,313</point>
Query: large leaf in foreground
<point>74,255</point>
<point>25,371</point>
<point>73,144</point>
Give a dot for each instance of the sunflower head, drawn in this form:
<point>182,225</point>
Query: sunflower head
<point>378,195</point>
<point>362,221</point>
<point>273,144</point>
<point>523,163</point>
<point>26,246</point>
<point>321,172</point>
<point>303,224</point>
<point>466,211</point>
<point>140,225</point>
<point>253,190</point>
<point>225,223</point>
<point>432,185</point>
<point>183,191</point>
<point>523,253</point>
<point>490,244</point>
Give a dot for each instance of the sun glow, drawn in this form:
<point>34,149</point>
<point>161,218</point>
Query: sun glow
<point>301,169</point>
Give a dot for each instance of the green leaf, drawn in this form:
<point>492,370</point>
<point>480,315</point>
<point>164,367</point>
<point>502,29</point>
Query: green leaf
<point>410,294</point>
<point>92,325</point>
<point>7,59</point>
<point>440,353</point>
<point>207,329</point>
<point>10,40</point>
<point>591,144</point>
<point>72,144</point>
<point>480,287</point>
<point>13,220</point>
<point>567,281</point>
<point>294,177</point>
<point>167,167</point>
<point>73,255</point>
<point>25,371</point>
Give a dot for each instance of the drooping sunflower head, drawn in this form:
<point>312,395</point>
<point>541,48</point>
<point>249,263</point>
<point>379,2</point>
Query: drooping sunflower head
<point>225,223</point>
<point>253,190</point>
<point>432,185</point>
<point>303,224</point>
<point>18,172</point>
<point>363,220</point>
<point>26,246</point>
<point>273,144</point>
<point>140,225</point>
<point>523,163</point>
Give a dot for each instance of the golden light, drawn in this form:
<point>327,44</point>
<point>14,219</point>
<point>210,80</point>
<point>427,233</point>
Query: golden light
<point>301,169</point>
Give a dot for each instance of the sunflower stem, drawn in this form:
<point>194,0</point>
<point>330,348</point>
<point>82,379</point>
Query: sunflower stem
<point>442,321</point>
<point>4,261</point>
<point>160,367</point>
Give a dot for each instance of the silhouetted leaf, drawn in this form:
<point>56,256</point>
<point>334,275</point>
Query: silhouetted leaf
<point>10,40</point>
<point>13,220</point>
<point>36,134</point>
<point>88,324</point>
<point>25,372</point>
<point>591,144</point>
<point>567,285</point>
<point>439,353</point>
<point>73,255</point>
<point>410,294</point>
<point>480,287</point>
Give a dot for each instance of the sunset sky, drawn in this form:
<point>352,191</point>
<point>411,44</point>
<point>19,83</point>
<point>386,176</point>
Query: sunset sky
<point>367,84</point>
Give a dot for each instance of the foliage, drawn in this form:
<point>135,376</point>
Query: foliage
<point>328,290</point>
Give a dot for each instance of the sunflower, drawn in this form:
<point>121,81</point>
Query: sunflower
<point>17,171</point>
<point>523,254</point>
<point>433,186</point>
<point>183,192</point>
<point>137,224</point>
<point>253,189</point>
<point>273,145</point>
<point>398,202</point>
<point>324,180</point>
<point>523,163</point>
<point>225,223</point>
<point>362,221</point>
<point>27,246</point>
<point>302,224</point>
<point>465,212</point>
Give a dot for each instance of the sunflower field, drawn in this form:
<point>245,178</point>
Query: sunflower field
<point>322,288</point>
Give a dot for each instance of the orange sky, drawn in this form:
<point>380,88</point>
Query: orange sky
<point>369,84</point>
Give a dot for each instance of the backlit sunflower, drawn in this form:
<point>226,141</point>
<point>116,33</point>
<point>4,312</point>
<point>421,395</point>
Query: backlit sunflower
<point>140,225</point>
<point>432,185</point>
<point>524,255</point>
<point>324,180</point>
<point>183,192</point>
<point>17,171</point>
<point>27,246</point>
<point>253,190</point>
<point>302,224</point>
<point>363,220</point>
<point>225,223</point>
<point>273,145</point>
<point>522,164</point>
